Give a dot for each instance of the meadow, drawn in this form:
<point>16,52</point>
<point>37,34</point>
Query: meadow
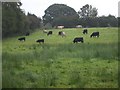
<point>59,63</point>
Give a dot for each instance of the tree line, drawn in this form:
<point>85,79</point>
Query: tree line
<point>60,14</point>
<point>15,22</point>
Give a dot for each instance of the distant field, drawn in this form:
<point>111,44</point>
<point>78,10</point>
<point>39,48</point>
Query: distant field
<point>59,63</point>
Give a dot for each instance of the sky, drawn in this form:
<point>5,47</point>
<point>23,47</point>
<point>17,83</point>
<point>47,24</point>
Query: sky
<point>37,7</point>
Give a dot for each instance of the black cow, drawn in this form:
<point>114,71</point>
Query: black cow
<point>21,39</point>
<point>95,34</point>
<point>78,39</point>
<point>61,34</point>
<point>49,33</point>
<point>40,41</point>
<point>85,31</point>
<point>27,34</point>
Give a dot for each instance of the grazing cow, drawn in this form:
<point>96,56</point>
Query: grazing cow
<point>61,33</point>
<point>27,34</point>
<point>21,39</point>
<point>95,34</point>
<point>45,31</point>
<point>85,31</point>
<point>40,41</point>
<point>78,39</point>
<point>49,33</point>
<point>60,27</point>
<point>79,26</point>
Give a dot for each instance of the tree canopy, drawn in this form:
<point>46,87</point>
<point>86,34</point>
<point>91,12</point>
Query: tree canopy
<point>14,20</point>
<point>87,11</point>
<point>34,21</point>
<point>60,14</point>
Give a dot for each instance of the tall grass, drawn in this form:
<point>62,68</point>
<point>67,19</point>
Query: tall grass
<point>61,63</point>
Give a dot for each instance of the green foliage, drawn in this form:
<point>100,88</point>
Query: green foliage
<point>108,21</point>
<point>60,14</point>
<point>103,21</point>
<point>87,11</point>
<point>12,19</point>
<point>48,26</point>
<point>15,22</point>
<point>34,21</point>
<point>88,18</point>
<point>59,63</point>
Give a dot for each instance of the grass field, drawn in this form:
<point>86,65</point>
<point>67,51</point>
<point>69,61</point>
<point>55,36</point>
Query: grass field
<point>59,63</point>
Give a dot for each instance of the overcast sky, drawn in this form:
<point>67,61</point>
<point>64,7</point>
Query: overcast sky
<point>37,7</point>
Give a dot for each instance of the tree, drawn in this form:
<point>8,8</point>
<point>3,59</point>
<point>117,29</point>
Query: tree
<point>87,11</point>
<point>60,14</point>
<point>118,21</point>
<point>15,22</point>
<point>108,21</point>
<point>34,21</point>
<point>13,19</point>
<point>112,21</point>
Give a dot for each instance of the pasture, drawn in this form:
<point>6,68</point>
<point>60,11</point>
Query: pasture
<point>60,63</point>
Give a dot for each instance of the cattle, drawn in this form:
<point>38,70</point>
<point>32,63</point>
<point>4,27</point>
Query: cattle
<point>60,27</point>
<point>95,34</point>
<point>79,26</point>
<point>85,31</point>
<point>78,39</point>
<point>61,33</point>
<point>45,31</point>
<point>21,39</point>
<point>27,34</point>
<point>40,41</point>
<point>49,33</point>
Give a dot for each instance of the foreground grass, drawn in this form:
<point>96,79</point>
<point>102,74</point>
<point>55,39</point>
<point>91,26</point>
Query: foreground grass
<point>60,63</point>
<point>0,63</point>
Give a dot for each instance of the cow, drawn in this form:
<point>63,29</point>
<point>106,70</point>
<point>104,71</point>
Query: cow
<point>78,39</point>
<point>95,34</point>
<point>21,39</point>
<point>60,27</point>
<point>49,33</point>
<point>45,31</point>
<point>61,33</point>
<point>85,31</point>
<point>27,34</point>
<point>40,41</point>
<point>79,26</point>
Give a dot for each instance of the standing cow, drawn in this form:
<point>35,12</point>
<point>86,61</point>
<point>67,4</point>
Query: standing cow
<point>21,39</point>
<point>40,41</point>
<point>45,31</point>
<point>61,33</point>
<point>78,39</point>
<point>49,33</point>
<point>95,34</point>
<point>60,27</point>
<point>85,31</point>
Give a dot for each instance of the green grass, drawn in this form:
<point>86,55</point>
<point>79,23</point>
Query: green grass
<point>0,63</point>
<point>59,63</point>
